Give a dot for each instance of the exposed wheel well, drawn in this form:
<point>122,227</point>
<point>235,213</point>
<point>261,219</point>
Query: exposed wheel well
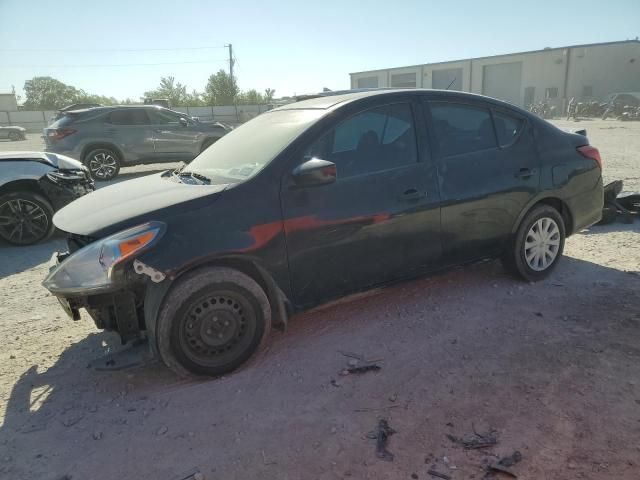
<point>277,299</point>
<point>22,185</point>
<point>93,146</point>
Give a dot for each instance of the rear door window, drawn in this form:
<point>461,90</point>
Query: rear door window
<point>507,127</point>
<point>378,139</point>
<point>460,128</point>
<point>129,116</point>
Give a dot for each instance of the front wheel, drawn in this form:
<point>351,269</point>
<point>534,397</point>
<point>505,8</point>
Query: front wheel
<point>537,245</point>
<point>14,136</point>
<point>212,322</point>
<point>25,218</point>
<point>103,164</point>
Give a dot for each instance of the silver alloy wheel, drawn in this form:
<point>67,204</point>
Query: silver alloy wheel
<point>103,165</point>
<point>542,244</point>
<point>22,221</point>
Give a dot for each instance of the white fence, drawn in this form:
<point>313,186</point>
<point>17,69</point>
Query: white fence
<point>36,120</point>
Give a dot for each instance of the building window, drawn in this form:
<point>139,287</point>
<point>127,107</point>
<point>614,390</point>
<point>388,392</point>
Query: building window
<point>403,80</point>
<point>368,82</point>
<point>551,92</point>
<point>587,91</point>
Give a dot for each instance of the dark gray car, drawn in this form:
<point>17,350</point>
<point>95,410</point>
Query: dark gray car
<point>106,138</point>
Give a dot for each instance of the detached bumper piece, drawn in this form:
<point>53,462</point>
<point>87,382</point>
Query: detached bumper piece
<point>617,204</point>
<point>117,312</point>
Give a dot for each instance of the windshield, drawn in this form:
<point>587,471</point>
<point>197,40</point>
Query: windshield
<point>243,152</point>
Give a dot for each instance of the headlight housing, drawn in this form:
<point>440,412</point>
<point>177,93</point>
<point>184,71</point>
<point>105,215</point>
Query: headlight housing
<point>62,176</point>
<point>91,269</point>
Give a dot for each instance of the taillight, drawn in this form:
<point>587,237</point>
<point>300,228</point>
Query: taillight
<point>588,151</point>
<point>60,133</point>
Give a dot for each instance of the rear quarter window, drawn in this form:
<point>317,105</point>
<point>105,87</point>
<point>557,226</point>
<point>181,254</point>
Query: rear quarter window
<point>508,127</point>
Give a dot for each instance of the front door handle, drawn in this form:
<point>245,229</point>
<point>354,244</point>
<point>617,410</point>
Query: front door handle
<point>412,194</point>
<point>524,173</point>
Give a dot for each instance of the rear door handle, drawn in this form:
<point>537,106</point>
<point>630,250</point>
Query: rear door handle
<point>524,173</point>
<point>412,194</point>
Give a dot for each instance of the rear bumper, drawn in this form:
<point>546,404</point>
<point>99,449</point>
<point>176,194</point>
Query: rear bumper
<point>586,207</point>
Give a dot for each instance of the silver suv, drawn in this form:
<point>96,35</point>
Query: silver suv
<point>106,138</point>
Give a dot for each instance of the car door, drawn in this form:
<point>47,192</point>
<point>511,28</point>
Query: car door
<point>378,221</point>
<point>488,170</point>
<point>129,128</point>
<point>173,137</point>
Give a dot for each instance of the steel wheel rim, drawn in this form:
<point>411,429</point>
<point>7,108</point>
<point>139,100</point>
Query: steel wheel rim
<point>542,244</point>
<point>23,221</point>
<point>217,328</point>
<point>103,165</point>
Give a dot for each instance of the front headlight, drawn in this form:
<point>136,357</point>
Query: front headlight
<point>91,268</point>
<point>61,176</point>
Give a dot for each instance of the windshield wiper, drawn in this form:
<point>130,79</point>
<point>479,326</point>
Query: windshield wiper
<point>193,175</point>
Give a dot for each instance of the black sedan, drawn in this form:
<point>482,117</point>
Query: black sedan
<point>316,200</point>
<point>33,185</point>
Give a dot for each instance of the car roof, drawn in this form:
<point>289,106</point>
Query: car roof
<point>329,100</point>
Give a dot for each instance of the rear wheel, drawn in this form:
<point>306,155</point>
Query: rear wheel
<point>537,245</point>
<point>207,143</point>
<point>25,218</point>
<point>212,322</point>
<point>103,163</point>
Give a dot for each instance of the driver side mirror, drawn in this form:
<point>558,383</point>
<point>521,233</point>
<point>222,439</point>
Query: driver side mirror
<point>183,121</point>
<point>314,172</point>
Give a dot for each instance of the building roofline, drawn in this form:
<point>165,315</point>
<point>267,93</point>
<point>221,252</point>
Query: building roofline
<point>547,49</point>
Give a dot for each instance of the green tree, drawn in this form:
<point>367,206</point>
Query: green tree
<point>46,93</point>
<point>221,89</point>
<point>268,94</point>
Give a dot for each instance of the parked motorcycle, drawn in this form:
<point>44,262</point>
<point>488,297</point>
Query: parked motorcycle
<point>543,109</point>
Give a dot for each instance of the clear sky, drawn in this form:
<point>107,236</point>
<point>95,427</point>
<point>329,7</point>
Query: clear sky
<point>292,46</point>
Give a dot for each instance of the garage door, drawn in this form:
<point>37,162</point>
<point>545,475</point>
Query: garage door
<point>503,81</point>
<point>445,77</point>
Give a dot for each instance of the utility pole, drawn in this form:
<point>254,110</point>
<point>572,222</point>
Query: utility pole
<point>231,62</point>
<point>230,47</point>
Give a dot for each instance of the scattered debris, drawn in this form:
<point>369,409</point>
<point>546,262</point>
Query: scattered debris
<point>97,435</point>
<point>471,442</point>
<point>68,422</point>
<point>335,383</point>
<point>162,430</point>
<point>503,465</point>
<point>363,369</point>
<point>381,435</point>
<point>414,476</point>
<point>389,407</point>
<point>264,460</point>
<point>393,398</point>
<point>360,357</point>
<point>434,473</point>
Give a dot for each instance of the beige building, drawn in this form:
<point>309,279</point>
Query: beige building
<point>8,102</point>
<point>586,72</point>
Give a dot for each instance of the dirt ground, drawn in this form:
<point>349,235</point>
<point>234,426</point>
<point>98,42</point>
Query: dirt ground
<point>552,367</point>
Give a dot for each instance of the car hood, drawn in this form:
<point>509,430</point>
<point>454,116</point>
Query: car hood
<point>55,160</point>
<point>114,205</point>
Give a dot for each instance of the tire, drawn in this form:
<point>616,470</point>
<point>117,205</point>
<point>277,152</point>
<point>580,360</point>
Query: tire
<point>207,143</point>
<point>212,322</point>
<point>14,136</point>
<point>26,218</point>
<point>103,164</point>
<point>515,258</point>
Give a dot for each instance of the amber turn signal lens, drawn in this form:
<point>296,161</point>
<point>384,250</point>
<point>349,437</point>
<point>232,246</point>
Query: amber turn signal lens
<point>131,245</point>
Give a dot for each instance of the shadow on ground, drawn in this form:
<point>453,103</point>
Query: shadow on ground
<point>474,331</point>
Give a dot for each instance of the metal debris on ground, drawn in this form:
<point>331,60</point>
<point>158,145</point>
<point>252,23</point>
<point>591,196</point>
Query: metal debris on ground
<point>617,203</point>
<point>381,435</point>
<point>505,463</point>
<point>434,473</point>
<point>477,440</point>
<point>363,369</point>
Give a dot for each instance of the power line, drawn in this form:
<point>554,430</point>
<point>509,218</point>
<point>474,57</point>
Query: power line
<point>107,49</point>
<point>113,64</point>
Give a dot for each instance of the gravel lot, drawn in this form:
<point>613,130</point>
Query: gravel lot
<point>553,367</point>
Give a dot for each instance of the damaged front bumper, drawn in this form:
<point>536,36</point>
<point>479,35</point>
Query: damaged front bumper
<point>120,310</point>
<point>104,277</point>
